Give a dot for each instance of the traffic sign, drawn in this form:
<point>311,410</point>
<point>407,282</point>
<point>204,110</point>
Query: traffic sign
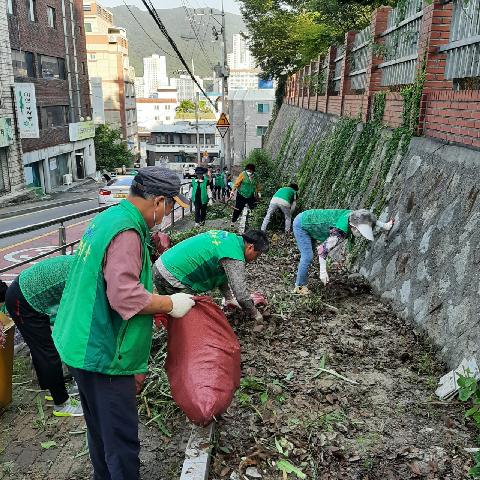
<point>223,121</point>
<point>222,130</point>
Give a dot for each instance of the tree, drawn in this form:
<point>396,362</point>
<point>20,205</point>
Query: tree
<point>110,150</point>
<point>186,106</point>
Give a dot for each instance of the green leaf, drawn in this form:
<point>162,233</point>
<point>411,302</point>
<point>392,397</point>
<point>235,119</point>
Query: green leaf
<point>49,444</point>
<point>279,447</point>
<point>289,376</point>
<point>323,361</point>
<point>264,398</point>
<point>286,466</point>
<point>224,449</point>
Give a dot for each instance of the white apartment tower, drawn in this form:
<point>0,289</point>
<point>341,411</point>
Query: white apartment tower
<point>154,73</point>
<point>241,57</point>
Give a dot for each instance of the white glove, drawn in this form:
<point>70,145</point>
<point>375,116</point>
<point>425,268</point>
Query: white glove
<point>182,303</point>
<point>259,195</point>
<point>210,202</point>
<point>386,226</point>
<point>323,271</point>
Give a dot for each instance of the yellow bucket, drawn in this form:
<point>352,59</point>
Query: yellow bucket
<point>6,363</point>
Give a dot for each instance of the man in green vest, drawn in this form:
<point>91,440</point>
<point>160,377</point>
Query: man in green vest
<point>285,200</point>
<point>103,330</point>
<point>213,259</point>
<point>330,228</point>
<point>248,190</point>
<point>201,195</point>
<point>32,301</point>
<point>220,182</point>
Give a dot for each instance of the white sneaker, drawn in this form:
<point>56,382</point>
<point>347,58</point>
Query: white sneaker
<point>72,391</point>
<point>197,225</point>
<point>71,408</point>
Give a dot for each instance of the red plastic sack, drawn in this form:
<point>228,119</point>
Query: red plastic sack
<point>203,361</point>
<point>161,242</point>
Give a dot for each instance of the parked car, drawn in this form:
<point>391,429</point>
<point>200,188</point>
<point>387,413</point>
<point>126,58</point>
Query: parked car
<point>115,190</point>
<point>189,170</point>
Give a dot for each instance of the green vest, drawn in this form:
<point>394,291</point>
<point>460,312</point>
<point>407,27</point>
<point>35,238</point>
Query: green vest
<point>42,284</point>
<point>195,262</point>
<point>220,180</point>
<point>317,223</point>
<point>286,193</point>
<point>88,333</point>
<point>203,190</point>
<point>248,187</point>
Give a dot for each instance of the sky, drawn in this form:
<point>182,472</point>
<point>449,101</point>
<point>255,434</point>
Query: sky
<point>232,6</point>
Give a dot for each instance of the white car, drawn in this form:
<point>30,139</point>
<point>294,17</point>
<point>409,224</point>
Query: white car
<point>115,190</point>
<point>189,170</point>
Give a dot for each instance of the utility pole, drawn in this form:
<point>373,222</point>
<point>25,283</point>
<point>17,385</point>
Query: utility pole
<point>196,127</point>
<point>225,72</point>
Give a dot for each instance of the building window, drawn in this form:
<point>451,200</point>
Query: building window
<point>10,7</point>
<point>23,64</point>
<point>51,17</point>
<point>87,7</point>
<point>167,107</point>
<point>261,131</point>
<point>51,68</point>
<point>84,68</point>
<point>157,107</point>
<point>54,116</point>
<point>263,108</point>
<point>32,10</point>
<point>92,57</point>
<point>88,27</point>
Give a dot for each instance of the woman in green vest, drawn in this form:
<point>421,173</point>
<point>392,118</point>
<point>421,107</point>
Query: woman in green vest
<point>201,195</point>
<point>220,183</point>
<point>213,259</point>
<point>103,329</point>
<point>330,228</point>
<point>248,190</point>
<point>284,200</point>
<point>32,302</point>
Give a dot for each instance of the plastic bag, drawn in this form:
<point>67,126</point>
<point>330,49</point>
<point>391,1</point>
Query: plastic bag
<point>203,361</point>
<point>161,242</point>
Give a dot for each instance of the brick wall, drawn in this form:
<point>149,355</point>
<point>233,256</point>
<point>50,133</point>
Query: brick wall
<point>393,115</point>
<point>335,105</point>
<point>354,105</point>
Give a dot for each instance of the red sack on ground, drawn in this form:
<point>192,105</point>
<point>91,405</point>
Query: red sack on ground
<point>203,361</point>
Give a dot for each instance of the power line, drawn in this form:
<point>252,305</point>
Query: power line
<point>146,33</point>
<point>153,13</point>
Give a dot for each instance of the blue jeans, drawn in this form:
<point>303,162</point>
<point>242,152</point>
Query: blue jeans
<point>304,243</point>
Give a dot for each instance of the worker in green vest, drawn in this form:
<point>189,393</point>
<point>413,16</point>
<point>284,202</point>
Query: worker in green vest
<point>248,191</point>
<point>220,183</point>
<point>32,301</point>
<point>103,329</point>
<point>330,228</point>
<point>213,259</point>
<point>285,200</point>
<point>201,195</point>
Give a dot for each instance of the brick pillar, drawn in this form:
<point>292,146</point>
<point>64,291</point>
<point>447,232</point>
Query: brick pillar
<point>434,32</point>
<point>319,70</point>
<point>374,74</point>
<point>331,55</point>
<point>306,88</point>
<point>345,80</point>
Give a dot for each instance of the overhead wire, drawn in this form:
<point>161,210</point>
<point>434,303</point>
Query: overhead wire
<point>153,13</point>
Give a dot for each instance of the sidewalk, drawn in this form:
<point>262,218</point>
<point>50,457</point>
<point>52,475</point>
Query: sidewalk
<point>64,195</point>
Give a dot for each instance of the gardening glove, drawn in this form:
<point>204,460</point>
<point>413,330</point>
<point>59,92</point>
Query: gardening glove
<point>323,271</point>
<point>182,303</point>
<point>386,226</point>
<point>210,202</point>
<point>259,195</point>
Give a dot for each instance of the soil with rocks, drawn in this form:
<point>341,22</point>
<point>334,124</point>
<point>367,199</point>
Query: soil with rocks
<point>335,386</point>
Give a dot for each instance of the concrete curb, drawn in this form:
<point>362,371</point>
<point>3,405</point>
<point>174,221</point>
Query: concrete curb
<point>198,453</point>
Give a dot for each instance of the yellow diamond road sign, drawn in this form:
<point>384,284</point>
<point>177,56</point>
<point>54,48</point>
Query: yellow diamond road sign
<point>223,125</point>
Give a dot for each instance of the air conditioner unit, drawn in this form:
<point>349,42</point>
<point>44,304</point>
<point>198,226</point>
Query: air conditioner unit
<point>67,179</point>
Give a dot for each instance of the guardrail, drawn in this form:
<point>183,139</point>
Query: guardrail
<point>63,246</point>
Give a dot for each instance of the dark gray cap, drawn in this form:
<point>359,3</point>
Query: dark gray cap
<point>160,181</point>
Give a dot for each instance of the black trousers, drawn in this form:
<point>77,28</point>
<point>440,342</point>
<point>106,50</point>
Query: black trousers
<point>200,211</point>
<point>110,411</point>
<point>240,203</point>
<point>218,192</point>
<point>36,331</point>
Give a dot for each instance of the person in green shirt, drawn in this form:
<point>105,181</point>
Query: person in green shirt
<point>330,228</point>
<point>201,195</point>
<point>103,328</point>
<point>220,183</point>
<point>247,188</point>
<point>32,301</point>
<point>213,259</point>
<point>285,200</point>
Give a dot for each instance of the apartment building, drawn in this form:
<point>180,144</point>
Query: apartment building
<point>158,109</point>
<point>51,90</point>
<point>154,73</point>
<point>107,48</point>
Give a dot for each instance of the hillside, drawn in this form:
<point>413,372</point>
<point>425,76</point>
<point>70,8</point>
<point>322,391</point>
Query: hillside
<point>178,25</point>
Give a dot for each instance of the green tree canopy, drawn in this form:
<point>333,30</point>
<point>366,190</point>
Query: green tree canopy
<point>186,106</point>
<point>110,150</point>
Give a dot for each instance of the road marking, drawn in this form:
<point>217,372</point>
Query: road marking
<point>44,210</point>
<point>39,237</point>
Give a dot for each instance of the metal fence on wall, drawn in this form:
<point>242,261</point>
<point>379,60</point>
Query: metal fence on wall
<point>359,59</point>
<point>400,46</point>
<point>463,51</point>
<point>337,76</point>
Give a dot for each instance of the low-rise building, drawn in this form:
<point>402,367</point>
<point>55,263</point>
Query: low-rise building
<point>250,114</point>
<point>177,143</point>
<point>158,109</point>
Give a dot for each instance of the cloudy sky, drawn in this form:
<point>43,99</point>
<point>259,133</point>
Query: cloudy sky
<point>232,6</point>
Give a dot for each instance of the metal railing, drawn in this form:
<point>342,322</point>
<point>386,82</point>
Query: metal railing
<point>337,75</point>
<point>359,58</point>
<point>63,246</point>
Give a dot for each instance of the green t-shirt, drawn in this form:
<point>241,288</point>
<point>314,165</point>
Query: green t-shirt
<point>286,193</point>
<point>195,262</point>
<point>317,223</point>
<point>42,284</point>
<point>220,180</point>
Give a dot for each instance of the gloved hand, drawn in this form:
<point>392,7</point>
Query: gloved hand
<point>210,202</point>
<point>259,195</point>
<point>323,271</point>
<point>182,303</point>
<point>389,225</point>
<point>232,304</point>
